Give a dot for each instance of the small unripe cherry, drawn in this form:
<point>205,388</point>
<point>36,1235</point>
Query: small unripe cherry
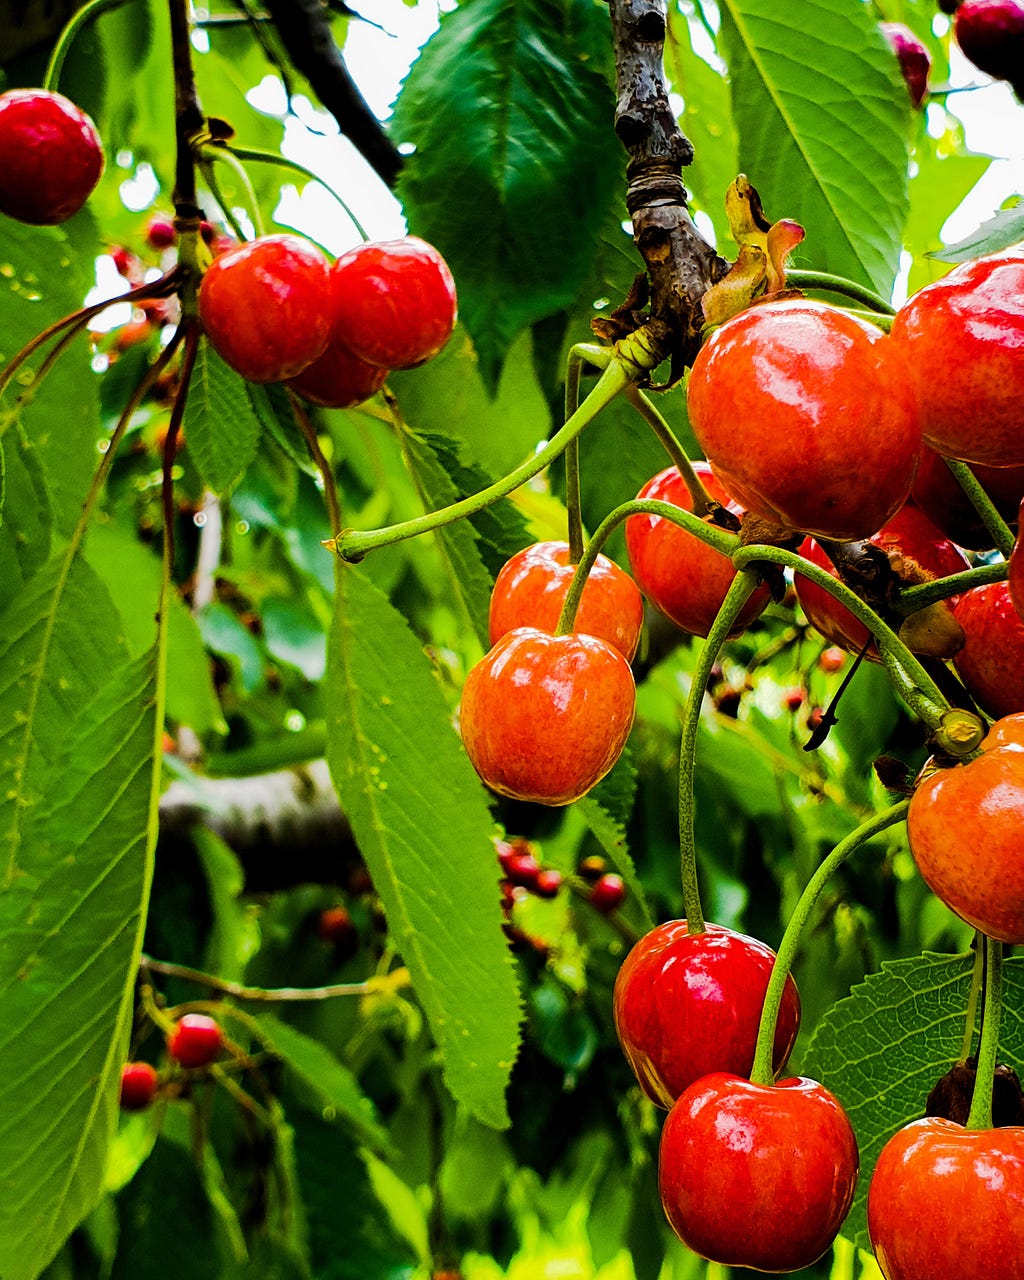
<point>334,926</point>
<point>548,882</point>
<point>914,59</point>
<point>138,1085</point>
<point>607,894</point>
<point>195,1040</point>
<point>160,232</point>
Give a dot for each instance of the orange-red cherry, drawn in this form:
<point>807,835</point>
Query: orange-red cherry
<point>195,1040</point>
<point>338,379</point>
<point>990,661</point>
<point>936,491</point>
<point>531,589</point>
<point>51,157</point>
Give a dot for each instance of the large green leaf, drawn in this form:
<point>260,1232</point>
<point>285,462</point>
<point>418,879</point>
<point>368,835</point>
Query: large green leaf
<point>221,425</point>
<point>515,161</point>
<point>823,115</point>
<point>421,821</point>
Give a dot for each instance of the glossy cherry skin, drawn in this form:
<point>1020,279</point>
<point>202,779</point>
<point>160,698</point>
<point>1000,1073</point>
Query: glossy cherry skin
<point>991,660</point>
<point>794,403</point>
<point>917,551</point>
<point>51,156</point>
<point>990,34</point>
<point>196,1040</point>
<point>947,1201</point>
<point>682,576</point>
<point>963,342</point>
<point>687,1004</point>
<point>964,829</point>
<point>937,493</point>
<point>755,1175</point>
<point>914,58</point>
<point>265,307</point>
<point>545,717</point>
<point>531,589</point>
<point>138,1085</point>
<point>607,893</point>
<point>338,379</point>
<point>395,302</point>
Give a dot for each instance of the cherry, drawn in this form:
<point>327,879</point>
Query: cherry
<point>395,303</point>
<point>531,589</point>
<point>195,1041</point>
<point>755,1175</point>
<point>948,1201</point>
<point>545,717</point>
<point>138,1085</point>
<point>264,307</point>
<point>1015,575</point>
<point>607,893</point>
<point>831,660</point>
<point>334,926</point>
<point>794,403</point>
<point>338,379</point>
<point>686,1004</point>
<point>936,491</point>
<point>520,866</point>
<point>160,232</point>
<point>914,59</point>
<point>548,883</point>
<point>990,34</point>
<point>917,552</point>
<point>991,660</point>
<point>964,826</point>
<point>682,576</point>
<point>51,156</point>
<point>961,338</point>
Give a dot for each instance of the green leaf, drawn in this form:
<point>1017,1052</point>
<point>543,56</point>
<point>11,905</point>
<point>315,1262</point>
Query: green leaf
<point>331,1084</point>
<point>27,525</point>
<point>274,410</point>
<point>421,820</point>
<point>221,426</point>
<point>823,121</point>
<point>1003,231</point>
<point>606,811</point>
<point>514,163</point>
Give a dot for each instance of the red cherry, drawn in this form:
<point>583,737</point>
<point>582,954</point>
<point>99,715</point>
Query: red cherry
<point>531,589</point>
<point>756,1175</point>
<point>832,659</point>
<point>334,926</point>
<point>682,576</point>
<point>947,1201</point>
<point>794,699</point>
<point>1015,576</point>
<point>937,493</point>
<point>195,1041</point>
<point>991,660</point>
<point>991,35</point>
<point>160,232</point>
<point>338,379</point>
<point>794,403</point>
<point>687,1004</point>
<point>961,338</point>
<point>545,717</point>
<point>395,303</point>
<point>138,1085</point>
<point>521,869</point>
<point>548,883</point>
<point>964,826</point>
<point>51,156</point>
<point>607,893</point>
<point>914,58</point>
<point>264,307</point>
<point>917,552</point>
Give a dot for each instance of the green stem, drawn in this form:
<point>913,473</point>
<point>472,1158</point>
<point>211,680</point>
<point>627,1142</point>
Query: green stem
<point>911,599</point>
<point>980,1114</point>
<point>931,703</point>
<point>736,597</point>
<point>1002,536</point>
<point>763,1071</point>
<point>323,466</point>
<point>827,283</point>
<point>262,995</point>
<point>573,504</point>
<point>211,155</point>
<point>699,496</point>
<point>271,157</point>
<point>977,984</point>
<point>352,544</point>
<point>67,38</point>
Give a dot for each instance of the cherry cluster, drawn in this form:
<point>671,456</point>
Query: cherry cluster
<point>193,1042</point>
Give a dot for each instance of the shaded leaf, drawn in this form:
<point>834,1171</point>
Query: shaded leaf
<point>220,425</point>
<point>1003,231</point>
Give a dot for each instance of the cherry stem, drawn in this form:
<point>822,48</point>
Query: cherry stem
<point>320,460</point>
<point>189,332</point>
<point>919,689</point>
<point>763,1071</point>
<point>911,599</point>
<point>264,995</point>
<point>980,1114</point>
<point>210,155</point>
<point>736,597</point>
<point>823,281</point>
<point>699,496</point>
<point>999,531</point>
<point>573,504</point>
<point>67,37</point>
<point>188,115</point>
<point>212,181</point>
<point>271,157</point>
<point>977,985</point>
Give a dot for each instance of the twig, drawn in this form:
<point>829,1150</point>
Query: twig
<point>268,995</point>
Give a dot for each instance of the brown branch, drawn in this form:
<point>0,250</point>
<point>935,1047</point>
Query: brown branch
<point>681,265</point>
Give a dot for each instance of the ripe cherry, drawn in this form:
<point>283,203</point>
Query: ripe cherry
<point>936,492</point>
<point>395,303</point>
<point>1015,576</point>
<point>793,403</point>
<point>681,575</point>
<point>338,379</point>
<point>51,156</point>
<point>970,326</point>
<point>160,232</point>
<point>687,1004</point>
<point>964,826</point>
<point>545,717</point>
<point>948,1201</point>
<point>138,1085</point>
<point>991,660</point>
<point>755,1175</point>
<point>914,58</point>
<point>607,893</point>
<point>195,1041</point>
<point>334,925</point>
<point>531,589</point>
<point>990,34</point>
<point>264,307</point>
